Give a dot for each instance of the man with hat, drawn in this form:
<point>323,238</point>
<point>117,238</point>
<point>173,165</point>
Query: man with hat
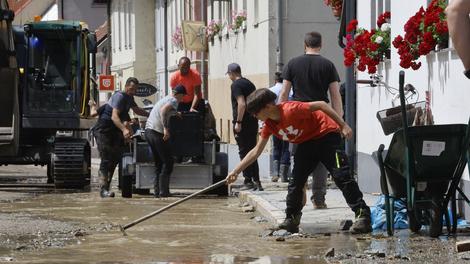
<point>157,134</point>
<point>245,126</point>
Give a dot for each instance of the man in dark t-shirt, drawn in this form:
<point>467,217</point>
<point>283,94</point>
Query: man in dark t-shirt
<point>111,132</point>
<point>313,77</point>
<point>245,126</point>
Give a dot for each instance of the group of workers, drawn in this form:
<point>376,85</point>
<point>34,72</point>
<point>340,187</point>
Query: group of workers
<point>307,120</point>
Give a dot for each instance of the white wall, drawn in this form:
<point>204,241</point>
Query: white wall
<point>440,74</point>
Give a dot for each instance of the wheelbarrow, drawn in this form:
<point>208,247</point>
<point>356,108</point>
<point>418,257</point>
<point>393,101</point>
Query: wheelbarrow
<point>424,165</point>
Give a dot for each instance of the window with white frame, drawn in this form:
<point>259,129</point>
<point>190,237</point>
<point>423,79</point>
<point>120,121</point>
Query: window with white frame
<point>130,12</point>
<point>125,11</point>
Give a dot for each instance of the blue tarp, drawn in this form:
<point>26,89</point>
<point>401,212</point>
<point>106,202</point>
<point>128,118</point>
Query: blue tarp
<point>378,216</point>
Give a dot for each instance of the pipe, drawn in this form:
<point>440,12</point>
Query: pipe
<point>165,33</point>
<point>349,13</point>
<point>203,53</point>
<point>279,63</point>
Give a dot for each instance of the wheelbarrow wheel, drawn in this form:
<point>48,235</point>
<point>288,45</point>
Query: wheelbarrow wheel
<point>435,226</point>
<point>414,222</point>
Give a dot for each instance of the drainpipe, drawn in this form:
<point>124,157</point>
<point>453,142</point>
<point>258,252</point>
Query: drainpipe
<point>110,51</point>
<point>280,34</point>
<point>203,53</point>
<point>349,13</point>
<point>165,33</point>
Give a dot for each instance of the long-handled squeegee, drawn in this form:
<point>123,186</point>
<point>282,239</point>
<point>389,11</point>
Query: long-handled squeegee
<point>143,218</point>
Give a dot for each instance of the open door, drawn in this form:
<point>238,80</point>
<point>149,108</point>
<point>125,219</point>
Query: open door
<point>9,108</point>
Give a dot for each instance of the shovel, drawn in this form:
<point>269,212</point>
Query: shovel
<point>143,218</point>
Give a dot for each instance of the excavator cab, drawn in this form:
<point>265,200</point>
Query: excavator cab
<point>46,83</point>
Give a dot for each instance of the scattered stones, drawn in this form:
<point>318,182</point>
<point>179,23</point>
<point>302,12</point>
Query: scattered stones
<point>375,253</point>
<point>266,233</point>
<point>280,239</point>
<point>362,238</point>
<point>6,259</point>
<point>330,253</point>
<point>245,204</point>
<point>20,247</point>
<point>281,233</point>
<point>462,246</point>
<point>260,219</point>
<point>345,224</point>
<point>327,234</point>
<point>248,209</point>
<point>79,233</point>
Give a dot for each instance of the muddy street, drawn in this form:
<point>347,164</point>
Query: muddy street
<point>48,226</point>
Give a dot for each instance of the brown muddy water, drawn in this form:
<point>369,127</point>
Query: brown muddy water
<point>46,226</point>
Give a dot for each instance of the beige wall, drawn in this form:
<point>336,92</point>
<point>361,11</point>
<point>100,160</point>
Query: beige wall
<point>220,100</point>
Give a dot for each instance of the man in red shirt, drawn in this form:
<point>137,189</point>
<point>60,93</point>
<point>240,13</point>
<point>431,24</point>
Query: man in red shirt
<point>317,129</point>
<point>191,80</point>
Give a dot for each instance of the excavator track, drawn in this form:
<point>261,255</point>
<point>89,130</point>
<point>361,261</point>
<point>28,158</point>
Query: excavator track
<point>71,163</point>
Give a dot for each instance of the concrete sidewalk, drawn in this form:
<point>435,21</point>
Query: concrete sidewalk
<point>271,204</point>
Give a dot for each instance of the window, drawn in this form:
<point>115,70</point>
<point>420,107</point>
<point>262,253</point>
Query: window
<point>119,26</point>
<point>125,11</point>
<point>130,11</point>
<point>256,12</point>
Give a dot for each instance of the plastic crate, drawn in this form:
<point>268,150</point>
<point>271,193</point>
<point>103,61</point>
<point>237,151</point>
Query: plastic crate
<point>391,120</point>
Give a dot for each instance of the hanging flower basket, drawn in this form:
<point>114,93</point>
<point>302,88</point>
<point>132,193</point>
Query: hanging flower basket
<point>214,28</point>
<point>177,38</point>
<point>424,32</point>
<point>369,48</point>
<point>336,7</point>
<point>238,19</point>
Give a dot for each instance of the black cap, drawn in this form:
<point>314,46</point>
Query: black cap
<point>233,68</point>
<point>179,89</point>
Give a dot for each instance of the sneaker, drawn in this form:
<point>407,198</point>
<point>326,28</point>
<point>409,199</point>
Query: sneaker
<point>362,224</point>
<point>291,223</point>
<point>275,178</point>
<point>258,187</point>
<point>247,186</point>
<point>319,205</point>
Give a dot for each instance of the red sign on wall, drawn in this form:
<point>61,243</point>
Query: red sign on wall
<point>106,83</point>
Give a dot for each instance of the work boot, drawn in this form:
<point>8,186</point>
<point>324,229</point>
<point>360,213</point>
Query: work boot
<point>257,186</point>
<point>284,172</point>
<point>291,223</point>
<point>164,184</point>
<point>105,183</point>
<point>362,223</point>
<point>105,193</point>
<point>319,205</point>
<point>275,171</point>
<point>247,186</point>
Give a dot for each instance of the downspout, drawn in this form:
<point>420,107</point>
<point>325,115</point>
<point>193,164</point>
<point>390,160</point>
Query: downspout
<point>348,14</point>
<point>62,9</point>
<point>165,33</point>
<point>203,53</point>
<point>109,52</point>
<point>279,63</point>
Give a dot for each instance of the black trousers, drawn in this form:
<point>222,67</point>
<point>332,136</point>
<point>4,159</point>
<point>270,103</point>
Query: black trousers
<point>246,141</point>
<point>163,159</point>
<point>306,159</point>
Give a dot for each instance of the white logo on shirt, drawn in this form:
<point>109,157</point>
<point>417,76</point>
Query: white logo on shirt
<point>289,133</point>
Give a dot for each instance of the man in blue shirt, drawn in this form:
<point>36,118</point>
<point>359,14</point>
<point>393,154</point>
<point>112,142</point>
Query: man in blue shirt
<point>111,132</point>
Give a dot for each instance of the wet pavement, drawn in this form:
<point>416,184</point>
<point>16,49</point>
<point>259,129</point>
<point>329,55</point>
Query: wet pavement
<point>48,226</point>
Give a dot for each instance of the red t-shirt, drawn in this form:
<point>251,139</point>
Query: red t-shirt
<point>191,80</point>
<point>298,123</point>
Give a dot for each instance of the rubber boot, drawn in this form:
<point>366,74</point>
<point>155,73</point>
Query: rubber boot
<point>164,184</point>
<point>275,171</point>
<point>104,184</point>
<point>156,184</point>
<point>284,172</point>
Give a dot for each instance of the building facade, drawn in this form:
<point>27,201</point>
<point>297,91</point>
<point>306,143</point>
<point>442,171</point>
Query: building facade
<point>133,42</point>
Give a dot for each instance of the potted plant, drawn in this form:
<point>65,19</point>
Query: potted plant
<point>336,7</point>
<point>177,38</point>
<point>424,32</point>
<point>369,48</point>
